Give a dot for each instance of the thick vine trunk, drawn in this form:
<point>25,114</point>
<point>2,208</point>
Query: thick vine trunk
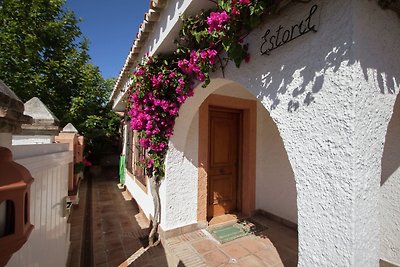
<point>154,238</point>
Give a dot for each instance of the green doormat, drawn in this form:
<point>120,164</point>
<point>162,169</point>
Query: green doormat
<point>231,231</point>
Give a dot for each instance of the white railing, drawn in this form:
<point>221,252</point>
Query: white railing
<point>48,243</point>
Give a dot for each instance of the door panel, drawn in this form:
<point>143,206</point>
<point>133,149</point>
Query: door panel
<point>224,133</point>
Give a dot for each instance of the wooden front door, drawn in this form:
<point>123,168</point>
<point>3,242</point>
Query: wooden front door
<point>224,156</point>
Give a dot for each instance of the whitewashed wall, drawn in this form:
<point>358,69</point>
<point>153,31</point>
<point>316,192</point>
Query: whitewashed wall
<point>48,243</point>
<point>331,95</point>
<point>275,184</point>
<point>389,215</point>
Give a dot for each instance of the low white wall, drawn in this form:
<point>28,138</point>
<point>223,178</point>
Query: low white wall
<point>389,214</point>
<point>48,243</point>
<point>143,199</point>
<point>32,139</point>
<point>27,151</point>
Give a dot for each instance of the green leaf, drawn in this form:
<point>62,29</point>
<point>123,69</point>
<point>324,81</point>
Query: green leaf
<point>227,45</point>
<point>197,35</point>
<point>237,53</point>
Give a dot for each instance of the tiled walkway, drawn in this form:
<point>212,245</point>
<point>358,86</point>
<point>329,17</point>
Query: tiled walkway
<point>276,246</point>
<point>119,228</point>
<point>118,231</point>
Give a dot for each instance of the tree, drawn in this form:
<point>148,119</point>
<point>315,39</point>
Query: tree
<point>43,54</point>
<point>91,113</point>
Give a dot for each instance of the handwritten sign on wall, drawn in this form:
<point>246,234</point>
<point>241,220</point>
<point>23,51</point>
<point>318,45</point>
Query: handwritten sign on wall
<point>284,34</point>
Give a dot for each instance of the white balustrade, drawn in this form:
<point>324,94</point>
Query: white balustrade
<point>48,243</point>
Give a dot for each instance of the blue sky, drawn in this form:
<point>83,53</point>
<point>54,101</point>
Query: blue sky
<point>111,27</point>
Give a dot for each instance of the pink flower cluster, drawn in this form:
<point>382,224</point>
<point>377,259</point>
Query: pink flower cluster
<point>156,98</point>
<point>217,20</point>
<point>235,9</point>
<point>153,113</point>
<point>86,162</point>
<point>244,2</point>
<point>199,58</point>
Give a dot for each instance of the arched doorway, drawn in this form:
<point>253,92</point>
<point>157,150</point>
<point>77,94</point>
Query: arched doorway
<point>264,179</point>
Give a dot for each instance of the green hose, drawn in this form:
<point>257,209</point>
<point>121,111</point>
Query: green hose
<point>122,169</point>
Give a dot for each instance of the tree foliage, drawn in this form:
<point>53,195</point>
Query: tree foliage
<point>43,54</point>
<point>40,52</point>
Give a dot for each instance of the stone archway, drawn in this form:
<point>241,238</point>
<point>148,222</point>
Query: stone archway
<point>183,156</point>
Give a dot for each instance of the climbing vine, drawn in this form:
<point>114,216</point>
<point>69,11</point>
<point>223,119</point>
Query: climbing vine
<point>162,83</point>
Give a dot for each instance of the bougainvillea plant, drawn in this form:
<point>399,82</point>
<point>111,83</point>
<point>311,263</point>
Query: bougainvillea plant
<point>162,83</point>
<point>160,86</point>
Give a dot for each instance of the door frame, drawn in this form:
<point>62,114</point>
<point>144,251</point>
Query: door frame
<point>248,164</point>
<point>238,182</point>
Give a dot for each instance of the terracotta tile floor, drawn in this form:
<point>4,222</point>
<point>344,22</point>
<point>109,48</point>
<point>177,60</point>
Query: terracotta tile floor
<point>118,226</point>
<point>200,249</point>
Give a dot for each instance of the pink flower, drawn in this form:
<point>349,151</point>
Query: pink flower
<point>212,52</point>
<point>201,77</point>
<point>189,93</point>
<point>87,163</point>
<point>216,21</point>
<point>203,54</point>
<point>235,11</point>
<point>178,90</point>
<point>171,75</point>
<point>150,163</point>
<point>193,56</point>
<point>139,72</point>
<point>244,2</point>
<point>181,99</point>
<point>174,111</point>
<point>144,142</point>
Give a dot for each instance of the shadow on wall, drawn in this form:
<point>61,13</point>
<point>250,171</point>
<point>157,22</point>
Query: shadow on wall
<point>389,212</point>
<point>300,68</point>
<point>391,151</point>
<point>164,22</point>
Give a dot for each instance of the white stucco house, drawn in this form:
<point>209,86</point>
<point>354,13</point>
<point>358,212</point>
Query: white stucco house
<point>315,123</point>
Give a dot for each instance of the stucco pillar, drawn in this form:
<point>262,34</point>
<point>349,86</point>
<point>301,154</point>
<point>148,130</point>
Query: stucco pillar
<point>69,135</point>
<point>336,159</point>
<point>339,147</point>
<point>11,115</point>
<point>44,127</point>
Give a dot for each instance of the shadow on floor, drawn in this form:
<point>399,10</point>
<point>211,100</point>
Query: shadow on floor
<point>284,239</point>
<point>117,226</point>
